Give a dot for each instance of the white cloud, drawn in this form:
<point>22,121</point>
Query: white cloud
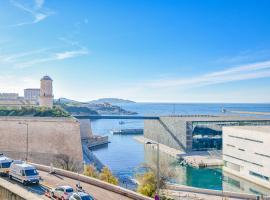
<point>244,72</point>
<point>39,4</point>
<point>70,54</point>
<point>37,11</point>
<point>43,55</point>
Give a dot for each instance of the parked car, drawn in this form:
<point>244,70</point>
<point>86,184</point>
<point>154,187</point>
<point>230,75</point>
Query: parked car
<point>62,192</point>
<point>81,196</point>
<point>5,164</point>
<point>23,172</point>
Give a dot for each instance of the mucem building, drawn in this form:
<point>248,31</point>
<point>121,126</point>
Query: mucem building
<point>195,132</point>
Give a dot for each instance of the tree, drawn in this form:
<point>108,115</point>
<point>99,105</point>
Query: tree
<point>65,162</point>
<point>90,170</point>
<point>148,184</point>
<point>107,176</point>
<point>148,179</point>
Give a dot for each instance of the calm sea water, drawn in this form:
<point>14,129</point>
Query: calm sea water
<point>124,155</point>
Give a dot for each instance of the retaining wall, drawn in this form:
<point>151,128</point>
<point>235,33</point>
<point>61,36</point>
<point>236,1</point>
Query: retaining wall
<point>9,191</point>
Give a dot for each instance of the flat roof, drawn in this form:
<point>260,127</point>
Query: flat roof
<point>216,118</point>
<point>263,129</point>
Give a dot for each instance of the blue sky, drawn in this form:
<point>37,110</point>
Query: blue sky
<point>143,50</point>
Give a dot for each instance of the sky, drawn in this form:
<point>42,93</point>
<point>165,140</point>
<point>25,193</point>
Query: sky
<point>142,50</point>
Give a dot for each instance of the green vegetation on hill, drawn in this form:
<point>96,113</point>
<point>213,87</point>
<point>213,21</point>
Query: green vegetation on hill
<point>78,110</point>
<point>34,112</point>
<point>83,108</point>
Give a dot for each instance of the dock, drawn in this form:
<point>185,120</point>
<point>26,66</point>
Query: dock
<point>127,132</point>
<point>201,159</point>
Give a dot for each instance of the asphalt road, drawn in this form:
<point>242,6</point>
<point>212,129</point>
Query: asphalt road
<point>52,181</point>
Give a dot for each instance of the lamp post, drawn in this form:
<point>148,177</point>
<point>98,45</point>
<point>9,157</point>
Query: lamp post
<point>27,139</point>
<point>158,173</point>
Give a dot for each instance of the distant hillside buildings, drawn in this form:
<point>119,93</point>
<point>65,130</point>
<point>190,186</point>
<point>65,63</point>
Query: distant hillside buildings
<point>32,96</point>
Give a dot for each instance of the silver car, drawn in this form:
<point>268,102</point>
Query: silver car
<point>62,192</point>
<point>81,196</point>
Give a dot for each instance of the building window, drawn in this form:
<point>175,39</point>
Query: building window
<point>242,138</point>
<point>259,175</point>
<point>260,154</point>
<point>233,166</point>
<point>241,149</point>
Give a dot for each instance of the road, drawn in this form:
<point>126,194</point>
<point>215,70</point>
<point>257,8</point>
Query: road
<point>98,193</point>
<point>49,180</point>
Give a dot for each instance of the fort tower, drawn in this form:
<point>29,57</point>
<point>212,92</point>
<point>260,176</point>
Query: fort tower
<point>46,92</point>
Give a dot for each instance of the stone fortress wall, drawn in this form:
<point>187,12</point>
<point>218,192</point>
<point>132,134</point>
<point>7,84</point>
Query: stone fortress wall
<point>85,128</point>
<point>47,137</point>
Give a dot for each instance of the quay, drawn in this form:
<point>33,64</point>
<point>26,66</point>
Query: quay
<point>200,159</point>
<point>197,159</point>
<point>130,131</point>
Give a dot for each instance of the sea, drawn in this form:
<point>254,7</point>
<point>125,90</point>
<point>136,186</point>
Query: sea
<point>126,157</point>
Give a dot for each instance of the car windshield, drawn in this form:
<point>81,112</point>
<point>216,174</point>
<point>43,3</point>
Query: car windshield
<point>87,198</point>
<point>69,190</point>
<point>31,172</point>
<point>6,165</point>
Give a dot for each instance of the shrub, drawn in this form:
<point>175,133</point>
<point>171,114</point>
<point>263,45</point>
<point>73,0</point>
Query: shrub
<point>107,176</point>
<point>90,170</point>
<point>148,184</point>
<point>34,111</point>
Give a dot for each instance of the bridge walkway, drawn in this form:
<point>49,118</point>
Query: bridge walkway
<point>93,117</point>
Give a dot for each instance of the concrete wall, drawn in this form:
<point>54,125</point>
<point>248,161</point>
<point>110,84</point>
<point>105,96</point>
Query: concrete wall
<point>170,131</point>
<point>48,137</point>
<point>245,150</point>
<point>9,191</point>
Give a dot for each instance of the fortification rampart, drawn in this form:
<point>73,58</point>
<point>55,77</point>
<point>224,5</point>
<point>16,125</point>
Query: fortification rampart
<point>47,138</point>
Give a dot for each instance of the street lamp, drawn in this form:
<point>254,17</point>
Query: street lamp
<point>158,174</point>
<point>27,139</point>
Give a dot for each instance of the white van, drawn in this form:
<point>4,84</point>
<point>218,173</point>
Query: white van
<point>5,163</point>
<point>23,172</point>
